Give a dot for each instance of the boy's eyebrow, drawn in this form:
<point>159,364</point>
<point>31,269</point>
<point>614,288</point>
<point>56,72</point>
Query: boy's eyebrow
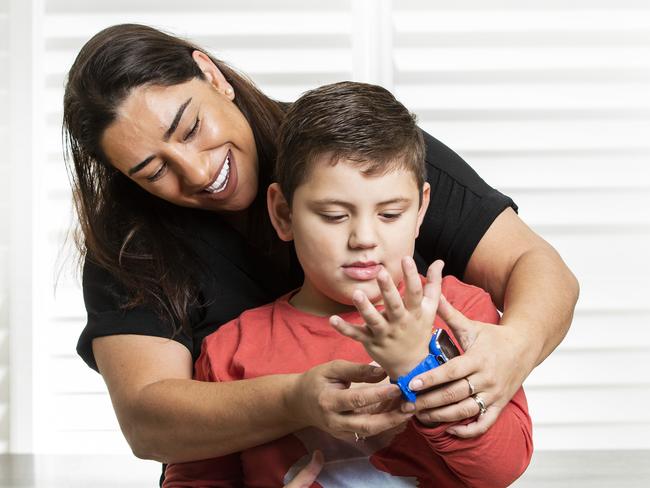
<point>343,203</point>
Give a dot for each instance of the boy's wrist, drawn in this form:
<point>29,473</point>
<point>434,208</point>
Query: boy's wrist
<point>406,363</point>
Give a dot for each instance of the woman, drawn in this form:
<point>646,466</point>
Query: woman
<point>172,152</point>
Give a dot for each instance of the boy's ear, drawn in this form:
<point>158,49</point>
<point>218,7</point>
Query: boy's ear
<point>280,212</point>
<point>426,195</point>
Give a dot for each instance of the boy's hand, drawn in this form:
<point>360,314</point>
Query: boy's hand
<point>397,338</point>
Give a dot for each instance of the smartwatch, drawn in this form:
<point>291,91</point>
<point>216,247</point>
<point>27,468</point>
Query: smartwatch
<point>441,350</point>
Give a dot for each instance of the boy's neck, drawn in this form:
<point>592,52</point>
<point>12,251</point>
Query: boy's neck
<point>310,300</point>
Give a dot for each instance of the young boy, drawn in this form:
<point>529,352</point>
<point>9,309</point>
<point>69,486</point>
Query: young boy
<point>351,194</point>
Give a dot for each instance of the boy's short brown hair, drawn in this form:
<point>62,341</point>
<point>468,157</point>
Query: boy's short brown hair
<point>348,120</point>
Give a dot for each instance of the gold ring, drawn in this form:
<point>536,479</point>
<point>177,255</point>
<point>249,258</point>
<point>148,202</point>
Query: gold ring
<point>481,404</point>
<point>471,386</point>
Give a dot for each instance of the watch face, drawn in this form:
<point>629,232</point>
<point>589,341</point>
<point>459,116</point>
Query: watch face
<point>447,346</point>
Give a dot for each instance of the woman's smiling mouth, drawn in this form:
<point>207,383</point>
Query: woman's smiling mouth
<point>220,182</point>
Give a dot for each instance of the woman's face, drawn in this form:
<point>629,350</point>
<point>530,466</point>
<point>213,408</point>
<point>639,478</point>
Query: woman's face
<point>188,144</point>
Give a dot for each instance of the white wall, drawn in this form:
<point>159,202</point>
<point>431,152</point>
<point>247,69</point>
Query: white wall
<point>548,100</point>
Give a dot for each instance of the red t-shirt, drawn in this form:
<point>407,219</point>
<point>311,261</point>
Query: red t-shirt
<point>276,339</point>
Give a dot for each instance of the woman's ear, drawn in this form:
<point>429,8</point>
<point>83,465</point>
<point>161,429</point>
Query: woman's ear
<point>424,205</point>
<point>280,212</point>
<point>213,75</point>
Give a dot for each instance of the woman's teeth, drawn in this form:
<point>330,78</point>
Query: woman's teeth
<point>222,180</point>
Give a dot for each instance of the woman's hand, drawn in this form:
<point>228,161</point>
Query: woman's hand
<point>323,399</point>
<point>397,338</point>
<point>491,364</point>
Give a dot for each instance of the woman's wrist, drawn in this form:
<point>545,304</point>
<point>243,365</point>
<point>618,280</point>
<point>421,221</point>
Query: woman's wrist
<point>292,401</point>
<point>527,345</point>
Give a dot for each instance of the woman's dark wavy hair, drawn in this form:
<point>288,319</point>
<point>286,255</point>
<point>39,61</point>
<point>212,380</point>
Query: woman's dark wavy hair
<point>137,237</point>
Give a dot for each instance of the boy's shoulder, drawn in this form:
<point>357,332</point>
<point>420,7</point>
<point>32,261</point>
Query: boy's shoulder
<point>247,319</point>
<point>464,296</point>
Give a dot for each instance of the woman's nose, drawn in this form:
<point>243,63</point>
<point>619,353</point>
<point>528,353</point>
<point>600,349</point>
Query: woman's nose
<point>194,170</point>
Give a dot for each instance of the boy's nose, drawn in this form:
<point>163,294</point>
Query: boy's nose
<point>362,236</point>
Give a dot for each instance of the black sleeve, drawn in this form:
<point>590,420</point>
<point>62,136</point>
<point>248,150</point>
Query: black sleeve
<point>104,298</point>
<point>461,210</point>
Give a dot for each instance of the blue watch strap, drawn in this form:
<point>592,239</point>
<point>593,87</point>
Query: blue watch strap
<point>427,364</point>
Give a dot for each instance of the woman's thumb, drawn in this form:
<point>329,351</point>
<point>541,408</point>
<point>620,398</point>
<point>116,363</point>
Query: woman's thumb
<point>460,325</point>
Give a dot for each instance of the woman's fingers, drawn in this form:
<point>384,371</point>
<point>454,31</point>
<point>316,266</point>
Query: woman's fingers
<point>348,372</point>
<point>367,425</point>
<point>356,398</point>
<point>456,369</point>
<point>448,394</point>
<point>413,284</point>
<point>463,328</point>
<point>478,427</point>
<point>307,475</point>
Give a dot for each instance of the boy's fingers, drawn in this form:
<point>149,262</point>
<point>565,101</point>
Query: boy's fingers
<point>307,475</point>
<point>413,292</point>
<point>393,303</point>
<point>356,332</point>
<point>432,287</point>
<point>374,319</point>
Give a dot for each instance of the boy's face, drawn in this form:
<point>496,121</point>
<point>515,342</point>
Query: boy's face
<point>346,226</point>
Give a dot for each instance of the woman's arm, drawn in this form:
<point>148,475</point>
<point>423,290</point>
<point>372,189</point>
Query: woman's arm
<point>528,280</point>
<point>167,416</point>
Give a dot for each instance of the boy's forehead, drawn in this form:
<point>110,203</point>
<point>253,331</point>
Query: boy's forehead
<point>350,178</point>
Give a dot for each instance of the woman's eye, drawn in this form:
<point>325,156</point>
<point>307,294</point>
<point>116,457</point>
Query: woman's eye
<point>193,130</point>
<point>158,174</point>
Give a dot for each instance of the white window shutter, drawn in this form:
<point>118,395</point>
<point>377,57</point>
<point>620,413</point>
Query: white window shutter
<point>550,102</point>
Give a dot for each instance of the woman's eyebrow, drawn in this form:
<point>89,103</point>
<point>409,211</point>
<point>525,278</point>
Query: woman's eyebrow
<point>176,120</point>
<point>139,166</point>
<point>168,133</point>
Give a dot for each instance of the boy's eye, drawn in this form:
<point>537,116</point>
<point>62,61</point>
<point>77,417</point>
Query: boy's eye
<point>391,215</point>
<point>333,217</point>
<point>158,174</point>
<point>192,131</point>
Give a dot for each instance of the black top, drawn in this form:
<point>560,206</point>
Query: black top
<point>237,278</point>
